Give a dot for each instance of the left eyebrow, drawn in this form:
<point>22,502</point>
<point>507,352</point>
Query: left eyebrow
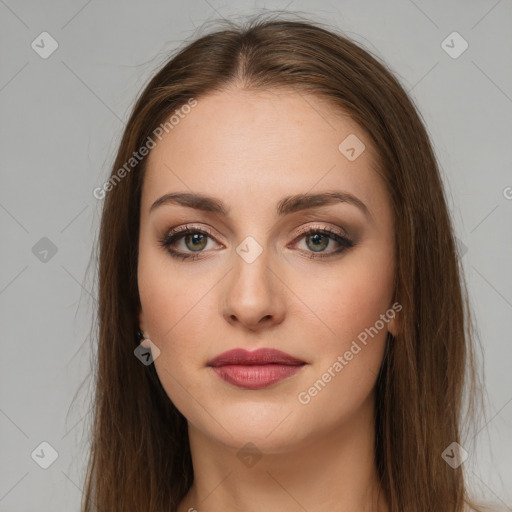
<point>299,202</point>
<point>286,206</point>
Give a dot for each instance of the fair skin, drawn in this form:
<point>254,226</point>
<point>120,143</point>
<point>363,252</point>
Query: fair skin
<point>250,150</point>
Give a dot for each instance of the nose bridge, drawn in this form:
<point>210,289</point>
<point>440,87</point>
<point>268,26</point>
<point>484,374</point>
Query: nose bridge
<point>252,293</point>
<point>251,273</point>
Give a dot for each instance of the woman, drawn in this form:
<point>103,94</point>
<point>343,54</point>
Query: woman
<point>281,309</point>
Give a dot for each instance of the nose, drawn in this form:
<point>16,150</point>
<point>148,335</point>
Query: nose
<point>253,295</point>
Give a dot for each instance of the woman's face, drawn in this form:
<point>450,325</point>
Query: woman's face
<point>262,271</point>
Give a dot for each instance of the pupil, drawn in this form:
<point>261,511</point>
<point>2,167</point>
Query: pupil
<point>318,242</point>
<point>197,237</point>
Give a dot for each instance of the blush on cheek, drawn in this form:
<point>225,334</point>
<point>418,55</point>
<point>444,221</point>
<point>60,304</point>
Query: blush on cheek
<point>346,308</point>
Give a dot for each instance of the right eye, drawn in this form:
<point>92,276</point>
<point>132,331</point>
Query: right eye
<point>195,240</point>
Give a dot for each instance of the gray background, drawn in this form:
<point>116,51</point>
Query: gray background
<point>61,120</point>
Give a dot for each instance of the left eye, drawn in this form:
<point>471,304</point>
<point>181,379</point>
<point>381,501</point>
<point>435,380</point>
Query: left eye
<point>317,242</point>
<point>318,239</point>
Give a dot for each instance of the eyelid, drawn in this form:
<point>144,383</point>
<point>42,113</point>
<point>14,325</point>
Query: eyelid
<point>325,227</point>
<point>190,227</point>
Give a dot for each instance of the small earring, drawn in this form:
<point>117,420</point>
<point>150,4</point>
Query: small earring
<point>147,343</point>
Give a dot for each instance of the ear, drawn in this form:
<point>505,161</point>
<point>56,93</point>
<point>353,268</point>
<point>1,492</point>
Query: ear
<point>142,323</point>
<point>394,326</point>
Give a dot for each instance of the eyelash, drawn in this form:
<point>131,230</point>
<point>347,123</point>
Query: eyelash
<point>174,235</point>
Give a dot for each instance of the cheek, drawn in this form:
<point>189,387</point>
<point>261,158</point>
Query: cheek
<point>174,313</point>
<point>350,303</point>
<point>173,303</point>
<point>347,298</point>
<point>346,369</point>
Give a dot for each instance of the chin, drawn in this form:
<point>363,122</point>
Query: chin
<point>271,429</point>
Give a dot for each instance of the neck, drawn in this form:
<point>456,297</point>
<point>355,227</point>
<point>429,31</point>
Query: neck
<point>332,470</point>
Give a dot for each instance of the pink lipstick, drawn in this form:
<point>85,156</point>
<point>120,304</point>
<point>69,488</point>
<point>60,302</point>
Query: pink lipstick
<point>256,369</point>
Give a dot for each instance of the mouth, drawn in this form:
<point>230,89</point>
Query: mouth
<point>256,369</point>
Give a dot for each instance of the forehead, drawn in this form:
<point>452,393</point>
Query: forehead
<point>263,144</point>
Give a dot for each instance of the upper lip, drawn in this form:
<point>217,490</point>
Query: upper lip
<point>254,357</point>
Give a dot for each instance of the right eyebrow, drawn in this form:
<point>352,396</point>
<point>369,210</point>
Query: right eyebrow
<point>196,201</point>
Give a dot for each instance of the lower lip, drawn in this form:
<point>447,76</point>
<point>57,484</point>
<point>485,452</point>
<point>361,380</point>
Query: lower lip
<point>255,376</point>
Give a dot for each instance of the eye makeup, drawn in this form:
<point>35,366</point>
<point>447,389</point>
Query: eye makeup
<point>191,233</point>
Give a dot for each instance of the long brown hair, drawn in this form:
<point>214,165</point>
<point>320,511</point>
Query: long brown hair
<point>140,457</point>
